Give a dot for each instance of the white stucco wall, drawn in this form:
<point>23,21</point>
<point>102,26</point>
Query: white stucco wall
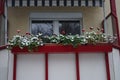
<point>19,17</point>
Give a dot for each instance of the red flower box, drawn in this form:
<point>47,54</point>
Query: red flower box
<point>56,48</point>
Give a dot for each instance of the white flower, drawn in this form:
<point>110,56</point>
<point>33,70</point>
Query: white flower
<point>24,40</point>
<point>41,44</point>
<point>34,39</point>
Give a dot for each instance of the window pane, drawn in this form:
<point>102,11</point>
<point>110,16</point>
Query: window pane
<point>44,27</point>
<point>2,31</point>
<point>70,27</point>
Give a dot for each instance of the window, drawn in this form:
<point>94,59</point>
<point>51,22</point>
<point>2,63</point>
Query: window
<point>70,27</point>
<point>2,31</point>
<point>3,26</point>
<point>50,27</point>
<point>44,27</point>
<point>56,23</point>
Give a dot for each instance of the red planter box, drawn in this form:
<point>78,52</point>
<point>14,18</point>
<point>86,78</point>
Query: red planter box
<point>53,48</point>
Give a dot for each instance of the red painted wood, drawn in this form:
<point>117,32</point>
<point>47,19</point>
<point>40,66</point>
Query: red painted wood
<point>46,66</point>
<point>113,6</point>
<point>14,67</point>
<point>2,47</point>
<point>117,28</point>
<point>110,14</point>
<point>77,67</point>
<point>2,2</point>
<point>107,66</point>
<point>116,46</point>
<point>68,48</point>
<point>114,13</point>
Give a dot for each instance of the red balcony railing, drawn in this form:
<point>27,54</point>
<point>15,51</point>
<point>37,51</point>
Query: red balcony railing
<point>2,47</point>
<point>112,22</point>
<point>53,48</point>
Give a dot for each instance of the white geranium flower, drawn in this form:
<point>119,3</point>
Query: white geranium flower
<point>41,44</point>
<point>23,43</point>
<point>34,39</point>
<point>24,40</point>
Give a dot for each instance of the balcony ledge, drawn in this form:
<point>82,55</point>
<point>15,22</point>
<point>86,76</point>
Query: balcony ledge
<point>57,48</point>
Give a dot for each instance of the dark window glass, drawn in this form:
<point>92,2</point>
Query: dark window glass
<point>69,27</point>
<point>44,27</point>
<point>2,30</point>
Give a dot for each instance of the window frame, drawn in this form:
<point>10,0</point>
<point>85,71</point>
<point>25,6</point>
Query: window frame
<point>56,16</point>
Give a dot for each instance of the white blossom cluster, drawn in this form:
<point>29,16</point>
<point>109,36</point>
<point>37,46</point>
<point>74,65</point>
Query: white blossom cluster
<point>25,41</point>
<point>33,41</point>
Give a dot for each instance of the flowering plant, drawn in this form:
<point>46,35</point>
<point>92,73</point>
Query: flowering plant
<point>33,41</point>
<point>29,40</point>
<point>90,37</point>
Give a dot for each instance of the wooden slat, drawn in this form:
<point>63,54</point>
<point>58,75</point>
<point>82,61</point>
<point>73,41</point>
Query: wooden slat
<point>98,3</point>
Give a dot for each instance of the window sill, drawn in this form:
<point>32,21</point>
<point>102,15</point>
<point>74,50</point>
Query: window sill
<point>56,48</point>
